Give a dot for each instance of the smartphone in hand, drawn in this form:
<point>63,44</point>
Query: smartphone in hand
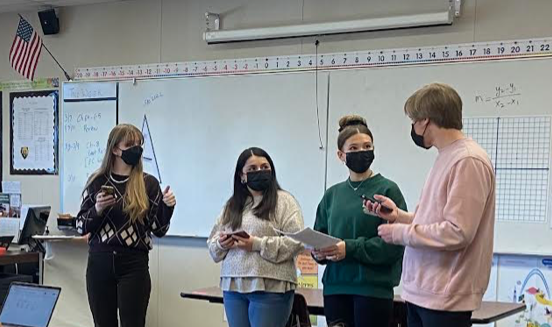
<point>240,233</point>
<point>383,209</point>
<point>108,190</point>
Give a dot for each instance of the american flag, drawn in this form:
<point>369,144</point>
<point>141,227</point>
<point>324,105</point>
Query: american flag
<point>25,50</point>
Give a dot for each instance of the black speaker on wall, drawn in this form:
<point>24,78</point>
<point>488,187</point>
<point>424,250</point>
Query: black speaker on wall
<point>49,21</point>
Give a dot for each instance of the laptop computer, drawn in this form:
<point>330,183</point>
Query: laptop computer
<point>29,305</point>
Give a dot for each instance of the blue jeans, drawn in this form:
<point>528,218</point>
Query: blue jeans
<point>258,309</point>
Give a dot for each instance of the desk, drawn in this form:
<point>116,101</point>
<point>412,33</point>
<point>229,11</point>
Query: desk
<point>13,257</point>
<point>488,313</point>
<point>17,256</point>
<point>315,301</point>
<point>46,239</point>
<point>495,311</point>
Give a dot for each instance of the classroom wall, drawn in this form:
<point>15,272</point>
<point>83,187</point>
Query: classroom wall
<point>148,31</point>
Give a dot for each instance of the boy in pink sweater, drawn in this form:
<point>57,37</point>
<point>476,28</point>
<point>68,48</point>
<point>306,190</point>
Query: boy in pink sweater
<point>449,238</point>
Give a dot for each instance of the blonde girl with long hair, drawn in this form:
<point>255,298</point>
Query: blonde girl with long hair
<point>122,206</point>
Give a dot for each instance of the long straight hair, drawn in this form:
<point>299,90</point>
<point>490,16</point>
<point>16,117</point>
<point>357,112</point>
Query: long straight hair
<point>135,199</point>
<point>235,206</point>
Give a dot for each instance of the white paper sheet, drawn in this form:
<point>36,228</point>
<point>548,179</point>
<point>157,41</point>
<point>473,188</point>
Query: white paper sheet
<point>11,187</point>
<point>311,238</point>
<point>15,200</point>
<point>9,226</point>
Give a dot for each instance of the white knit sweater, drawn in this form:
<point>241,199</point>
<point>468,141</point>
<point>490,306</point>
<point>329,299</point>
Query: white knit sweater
<point>273,256</point>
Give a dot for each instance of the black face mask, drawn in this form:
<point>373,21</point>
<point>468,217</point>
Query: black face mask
<point>359,161</point>
<point>259,180</point>
<point>419,139</point>
<point>132,155</point>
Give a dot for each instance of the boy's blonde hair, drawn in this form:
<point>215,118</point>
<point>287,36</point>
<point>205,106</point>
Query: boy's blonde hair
<point>437,102</point>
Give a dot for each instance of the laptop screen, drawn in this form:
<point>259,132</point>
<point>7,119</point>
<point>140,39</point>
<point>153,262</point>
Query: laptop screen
<point>29,305</point>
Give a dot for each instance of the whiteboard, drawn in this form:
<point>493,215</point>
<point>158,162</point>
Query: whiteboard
<point>379,95</point>
<point>89,112</point>
<point>198,128</point>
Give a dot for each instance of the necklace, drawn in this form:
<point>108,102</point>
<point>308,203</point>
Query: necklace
<point>359,185</point>
<point>118,182</point>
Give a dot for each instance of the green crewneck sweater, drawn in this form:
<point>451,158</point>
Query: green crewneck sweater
<point>371,266</point>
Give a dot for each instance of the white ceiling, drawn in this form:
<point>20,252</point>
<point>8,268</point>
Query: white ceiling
<point>33,5</point>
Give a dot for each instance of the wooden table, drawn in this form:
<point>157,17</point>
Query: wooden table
<point>13,257</point>
<point>315,301</point>
<point>17,256</point>
<point>488,313</point>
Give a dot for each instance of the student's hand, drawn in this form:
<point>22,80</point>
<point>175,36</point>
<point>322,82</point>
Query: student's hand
<point>385,231</point>
<point>168,197</point>
<point>104,201</point>
<point>317,254</point>
<point>244,243</point>
<point>335,252</point>
<point>225,241</point>
<point>375,208</point>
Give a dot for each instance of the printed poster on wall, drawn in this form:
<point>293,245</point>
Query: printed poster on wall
<point>34,132</point>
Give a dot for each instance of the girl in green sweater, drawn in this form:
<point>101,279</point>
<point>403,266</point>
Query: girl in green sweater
<point>362,269</point>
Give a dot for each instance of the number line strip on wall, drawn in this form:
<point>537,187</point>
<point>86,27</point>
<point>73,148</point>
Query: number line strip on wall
<point>470,52</point>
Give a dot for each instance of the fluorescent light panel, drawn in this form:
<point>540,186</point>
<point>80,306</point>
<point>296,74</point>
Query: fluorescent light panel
<point>361,25</point>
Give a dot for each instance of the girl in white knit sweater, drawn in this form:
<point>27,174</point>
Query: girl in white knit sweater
<point>258,273</point>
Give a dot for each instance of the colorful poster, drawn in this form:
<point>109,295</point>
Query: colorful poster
<point>307,275</point>
<point>307,281</point>
<point>526,280</point>
<point>10,205</point>
<point>306,265</point>
<point>10,214</point>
